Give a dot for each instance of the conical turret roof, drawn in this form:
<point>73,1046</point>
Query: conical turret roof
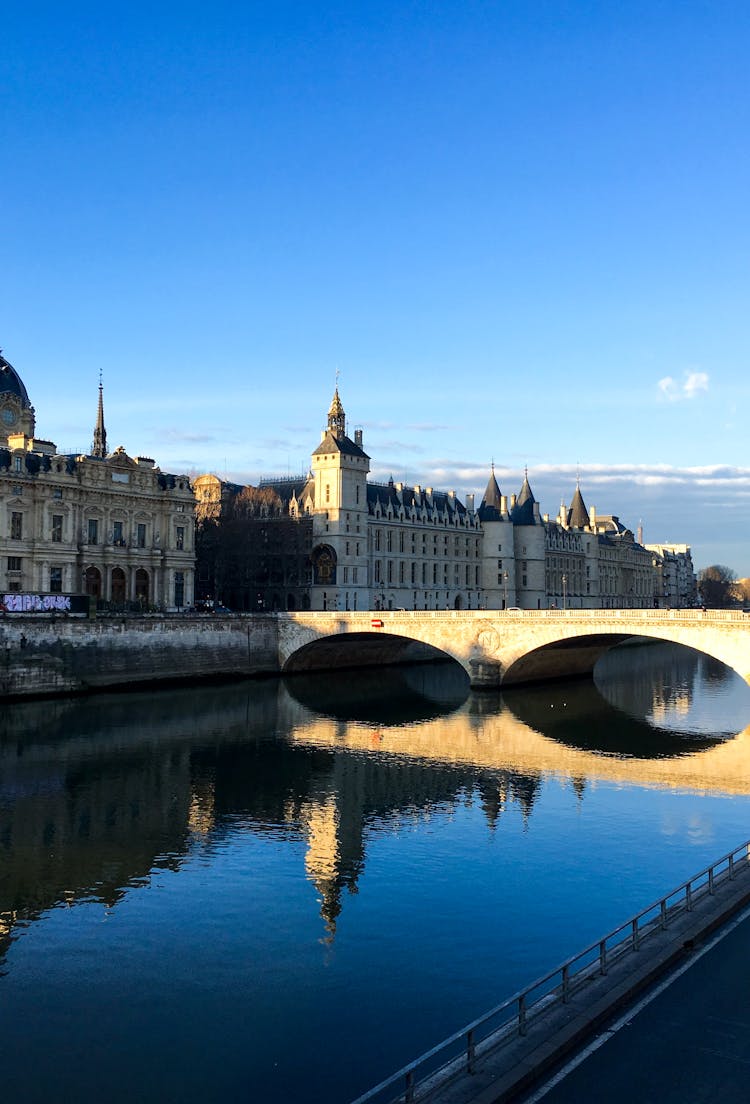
<point>578,515</point>
<point>490,507</point>
<point>523,511</point>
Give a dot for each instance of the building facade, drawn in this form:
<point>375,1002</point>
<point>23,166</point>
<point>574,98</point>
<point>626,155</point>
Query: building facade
<point>335,540</point>
<point>107,525</point>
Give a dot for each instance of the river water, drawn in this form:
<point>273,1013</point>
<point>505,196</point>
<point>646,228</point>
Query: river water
<point>283,890</point>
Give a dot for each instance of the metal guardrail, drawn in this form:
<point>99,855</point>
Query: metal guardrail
<point>463,1051</point>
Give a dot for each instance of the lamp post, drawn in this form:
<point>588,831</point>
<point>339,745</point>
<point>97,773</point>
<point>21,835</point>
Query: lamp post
<point>565,591</point>
<point>505,589</point>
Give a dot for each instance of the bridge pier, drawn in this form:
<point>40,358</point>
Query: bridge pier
<point>485,674</point>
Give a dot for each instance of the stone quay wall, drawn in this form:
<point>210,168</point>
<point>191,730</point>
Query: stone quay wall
<point>41,655</point>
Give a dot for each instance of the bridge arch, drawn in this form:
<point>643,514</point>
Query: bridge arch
<point>361,649</point>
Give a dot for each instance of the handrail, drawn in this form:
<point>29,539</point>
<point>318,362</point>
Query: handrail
<point>462,1051</point>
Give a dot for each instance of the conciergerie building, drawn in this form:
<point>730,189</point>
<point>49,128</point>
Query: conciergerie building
<point>335,540</point>
<point>101,523</point>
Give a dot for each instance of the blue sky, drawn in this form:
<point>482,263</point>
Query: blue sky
<point>521,232</point>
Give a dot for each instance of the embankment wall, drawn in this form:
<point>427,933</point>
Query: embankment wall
<point>40,656</point>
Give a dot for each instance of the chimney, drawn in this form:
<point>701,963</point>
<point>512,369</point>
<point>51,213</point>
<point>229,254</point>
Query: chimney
<point>358,438</point>
<point>470,503</point>
<point>503,504</point>
<point>512,502</point>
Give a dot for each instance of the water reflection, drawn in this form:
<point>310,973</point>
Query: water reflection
<point>97,793</point>
<point>384,695</point>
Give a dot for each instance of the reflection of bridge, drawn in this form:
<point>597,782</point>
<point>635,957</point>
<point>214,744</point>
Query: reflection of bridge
<point>505,647</point>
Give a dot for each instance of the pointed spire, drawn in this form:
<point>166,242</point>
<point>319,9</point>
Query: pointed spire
<point>337,417</point>
<point>99,447</point>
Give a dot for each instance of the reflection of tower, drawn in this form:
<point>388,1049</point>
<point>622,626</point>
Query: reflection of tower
<point>202,811</point>
<point>333,822</point>
<point>323,857</point>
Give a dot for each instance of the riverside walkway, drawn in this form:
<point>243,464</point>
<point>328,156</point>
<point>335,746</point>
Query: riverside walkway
<point>505,1055</point>
<point>686,1040</point>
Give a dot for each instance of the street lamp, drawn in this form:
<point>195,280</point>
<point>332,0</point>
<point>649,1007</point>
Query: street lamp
<point>505,588</point>
<point>565,591</point>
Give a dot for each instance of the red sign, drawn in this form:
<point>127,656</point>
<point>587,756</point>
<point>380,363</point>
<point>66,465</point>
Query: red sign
<point>376,623</point>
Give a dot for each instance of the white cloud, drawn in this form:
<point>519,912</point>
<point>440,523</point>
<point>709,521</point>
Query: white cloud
<point>695,382</point>
<point>692,385</point>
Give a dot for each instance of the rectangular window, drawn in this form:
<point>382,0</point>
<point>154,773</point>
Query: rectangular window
<point>118,537</point>
<point>389,541</point>
<point>354,575</point>
<point>14,563</point>
<point>180,538</point>
<point>377,571</point>
<point>401,571</point>
<point>55,580</point>
<point>57,493</point>
<point>16,489</point>
<point>17,465</point>
<point>377,540</point>
<point>499,565</point>
<point>401,541</point>
<point>523,581</point>
<point>390,571</point>
<point>93,531</point>
<point>140,535</point>
<point>57,524</point>
<point>346,574</point>
<point>16,525</point>
<point>179,588</point>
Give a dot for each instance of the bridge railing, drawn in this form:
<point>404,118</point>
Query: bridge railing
<point>466,1049</point>
<point>695,616</point>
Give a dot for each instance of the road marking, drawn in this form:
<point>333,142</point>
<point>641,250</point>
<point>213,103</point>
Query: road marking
<point>626,1017</point>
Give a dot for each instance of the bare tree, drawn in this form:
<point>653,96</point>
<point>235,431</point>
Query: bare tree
<point>717,586</point>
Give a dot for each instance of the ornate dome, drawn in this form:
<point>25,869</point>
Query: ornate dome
<point>11,383</point>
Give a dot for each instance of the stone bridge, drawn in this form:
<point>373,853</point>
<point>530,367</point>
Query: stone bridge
<point>504,647</point>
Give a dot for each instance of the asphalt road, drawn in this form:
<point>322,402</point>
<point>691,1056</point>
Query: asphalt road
<point>690,1044</point>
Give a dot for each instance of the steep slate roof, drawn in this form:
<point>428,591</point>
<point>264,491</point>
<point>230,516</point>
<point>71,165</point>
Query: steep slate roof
<point>523,511</point>
<point>490,508</point>
<point>11,383</point>
<point>331,443</point>
<point>578,515</point>
<point>387,494</point>
<point>296,487</point>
